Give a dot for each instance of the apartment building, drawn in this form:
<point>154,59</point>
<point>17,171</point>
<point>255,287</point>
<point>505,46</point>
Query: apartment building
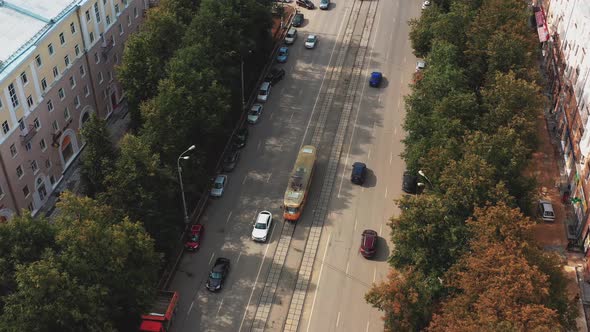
<point>567,62</point>
<point>57,67</point>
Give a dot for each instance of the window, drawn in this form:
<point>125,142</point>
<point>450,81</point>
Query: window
<point>110,76</point>
<point>82,71</point>
<point>125,3</point>
<point>55,126</point>
<point>42,144</point>
<point>26,191</point>
<point>34,166</point>
<point>108,20</point>
<point>77,49</point>
<point>31,206</point>
<point>13,150</point>
<point>21,124</point>
<point>23,78</point>
<point>55,72</point>
<point>51,178</point>
<point>28,146</point>
<point>13,96</point>
<point>135,12</point>
<point>120,28</point>
<point>66,114</point>
<point>91,37</point>
<point>19,171</point>
<point>99,77</point>
<point>128,20</point>
<point>86,90</point>
<point>72,82</point>
<point>30,102</point>
<point>96,12</point>
<point>104,2</point>
<point>38,60</point>
<point>49,106</point>
<point>62,38</point>
<point>50,49</point>
<point>44,84</point>
<point>117,8</point>
<point>5,127</point>
<point>77,101</point>
<point>61,93</point>
<point>73,28</point>
<point>96,58</point>
<point>87,15</point>
<point>67,60</point>
<point>37,123</point>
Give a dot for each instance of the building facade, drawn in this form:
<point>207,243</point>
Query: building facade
<point>57,67</point>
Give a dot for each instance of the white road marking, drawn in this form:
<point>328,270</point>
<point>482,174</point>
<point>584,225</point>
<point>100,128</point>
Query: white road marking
<point>390,158</point>
<point>240,255</point>
<point>404,60</point>
<point>374,274</point>
<point>268,178</point>
<point>395,131</point>
<point>323,80</point>
<point>258,147</point>
<point>369,154</point>
<point>381,229</point>
<point>347,266</point>
<point>338,319</point>
<point>245,177</point>
<point>228,217</point>
<point>220,304</point>
<point>379,99</point>
<point>271,114</point>
<point>190,308</point>
<point>355,224</point>
<point>291,117</point>
<point>254,285</point>
<point>319,279</point>
<point>367,330</point>
<point>211,259</point>
<point>385,192</point>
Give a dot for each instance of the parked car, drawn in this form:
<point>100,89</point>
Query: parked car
<point>218,274</point>
<point>298,19</point>
<point>239,141</point>
<point>359,173</point>
<point>262,226</point>
<point>193,241</point>
<point>420,65</point>
<point>324,4</point>
<point>218,186</point>
<point>376,78</point>
<point>546,210</point>
<point>311,41</point>
<point>263,92</point>
<point>283,54</point>
<point>368,243</point>
<point>254,113</point>
<point>291,36</point>
<point>230,161</point>
<point>409,183</point>
<point>306,4</point>
<point>274,76</point>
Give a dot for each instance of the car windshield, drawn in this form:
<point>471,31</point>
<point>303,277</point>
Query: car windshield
<point>215,275</point>
<point>262,92</point>
<point>218,185</point>
<point>195,238</point>
<point>253,112</point>
<point>291,210</point>
<point>310,39</point>
<point>260,225</point>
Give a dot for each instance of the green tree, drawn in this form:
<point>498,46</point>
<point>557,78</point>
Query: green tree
<point>98,157</point>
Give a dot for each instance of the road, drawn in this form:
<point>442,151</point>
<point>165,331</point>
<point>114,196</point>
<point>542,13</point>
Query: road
<point>334,300</point>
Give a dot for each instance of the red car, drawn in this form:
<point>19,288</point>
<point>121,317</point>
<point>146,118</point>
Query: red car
<point>193,241</point>
<point>369,243</point>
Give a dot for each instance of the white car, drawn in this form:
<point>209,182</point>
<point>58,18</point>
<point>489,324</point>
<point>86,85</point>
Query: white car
<point>425,4</point>
<point>311,41</point>
<point>218,186</point>
<point>263,92</point>
<point>254,113</point>
<point>262,226</point>
<point>420,65</point>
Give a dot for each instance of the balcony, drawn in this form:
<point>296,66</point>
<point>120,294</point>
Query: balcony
<point>27,135</point>
<point>107,46</point>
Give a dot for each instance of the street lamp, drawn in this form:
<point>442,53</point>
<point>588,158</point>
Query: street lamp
<point>427,179</point>
<point>242,74</point>
<point>182,156</point>
<point>420,185</point>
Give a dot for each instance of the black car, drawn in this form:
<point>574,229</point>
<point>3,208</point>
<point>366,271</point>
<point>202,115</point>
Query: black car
<point>218,274</point>
<point>298,20</point>
<point>359,173</point>
<point>275,75</point>
<point>409,183</point>
<point>306,3</point>
<point>239,140</point>
<point>231,160</point>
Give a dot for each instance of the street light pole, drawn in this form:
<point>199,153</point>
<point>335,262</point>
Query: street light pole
<point>182,156</point>
<point>427,179</point>
<point>242,74</point>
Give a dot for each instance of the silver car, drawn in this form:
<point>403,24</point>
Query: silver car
<point>254,113</point>
<point>262,226</point>
<point>218,186</point>
<point>263,92</point>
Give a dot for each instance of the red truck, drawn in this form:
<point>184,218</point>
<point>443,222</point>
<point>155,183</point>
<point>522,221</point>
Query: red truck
<point>160,317</point>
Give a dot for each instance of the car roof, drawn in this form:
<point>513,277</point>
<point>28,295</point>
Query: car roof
<point>220,178</point>
<point>311,36</point>
<point>369,238</point>
<point>263,217</point>
<point>358,164</point>
<point>265,85</point>
<point>256,107</point>
<point>284,48</point>
<point>376,74</point>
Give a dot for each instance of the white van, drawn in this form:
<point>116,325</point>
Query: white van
<point>291,36</point>
<point>546,210</point>
<point>263,92</point>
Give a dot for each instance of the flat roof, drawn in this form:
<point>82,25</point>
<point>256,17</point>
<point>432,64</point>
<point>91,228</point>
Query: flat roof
<point>23,22</point>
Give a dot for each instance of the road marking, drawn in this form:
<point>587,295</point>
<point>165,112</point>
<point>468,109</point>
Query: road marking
<point>271,114</point>
<point>355,224</point>
<point>245,177</point>
<point>322,84</point>
<point>211,259</point>
<point>220,304</point>
<point>385,192</point>
<point>258,147</point>
<point>338,319</point>
<point>254,285</point>
<point>381,229</point>
<point>228,217</point>
<point>190,308</point>
<point>390,158</point>
<point>291,117</point>
<point>369,154</point>
<point>347,266</point>
<point>395,131</point>
<point>404,59</point>
<point>268,178</point>
<point>367,330</point>
<point>374,274</point>
<point>379,99</point>
<point>319,279</point>
<point>240,255</point>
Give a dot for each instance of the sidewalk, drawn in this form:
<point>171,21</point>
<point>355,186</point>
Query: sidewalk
<point>546,166</point>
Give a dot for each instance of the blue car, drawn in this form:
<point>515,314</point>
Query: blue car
<point>283,54</point>
<point>376,78</point>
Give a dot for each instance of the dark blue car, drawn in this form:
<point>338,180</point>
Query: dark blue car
<point>376,78</point>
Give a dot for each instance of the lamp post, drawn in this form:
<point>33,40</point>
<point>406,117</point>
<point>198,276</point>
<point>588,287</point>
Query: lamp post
<point>427,179</point>
<point>242,75</point>
<point>420,185</point>
<point>182,156</point>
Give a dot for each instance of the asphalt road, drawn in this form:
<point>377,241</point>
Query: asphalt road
<point>341,276</point>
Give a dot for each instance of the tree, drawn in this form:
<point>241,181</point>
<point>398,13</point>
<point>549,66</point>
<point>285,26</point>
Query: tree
<point>99,155</point>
